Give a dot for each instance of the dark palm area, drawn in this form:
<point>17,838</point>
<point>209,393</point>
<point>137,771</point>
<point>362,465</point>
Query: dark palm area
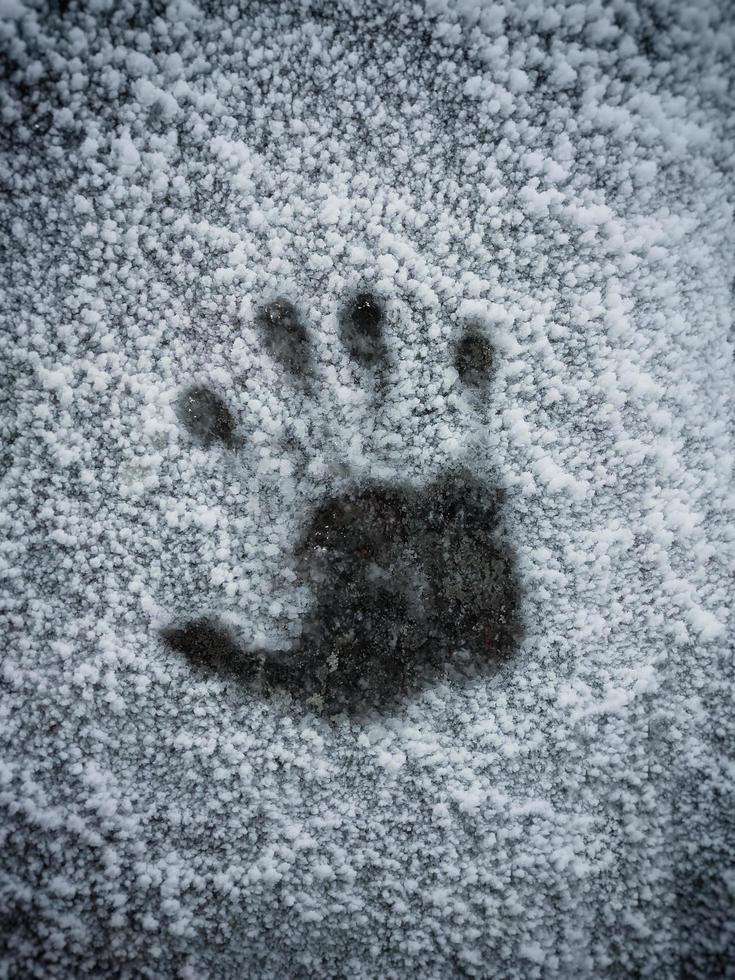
<point>411,586</point>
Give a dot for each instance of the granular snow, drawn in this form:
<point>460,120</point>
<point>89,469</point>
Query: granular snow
<point>536,202</point>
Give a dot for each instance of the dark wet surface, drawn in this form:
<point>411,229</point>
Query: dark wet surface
<point>473,358</point>
<point>285,338</point>
<point>412,587</point>
<point>205,416</point>
<point>361,330</point>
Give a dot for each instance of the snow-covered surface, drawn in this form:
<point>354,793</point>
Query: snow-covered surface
<point>561,173</point>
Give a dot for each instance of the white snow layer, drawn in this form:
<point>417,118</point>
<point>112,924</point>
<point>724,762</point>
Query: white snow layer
<point>561,173</point>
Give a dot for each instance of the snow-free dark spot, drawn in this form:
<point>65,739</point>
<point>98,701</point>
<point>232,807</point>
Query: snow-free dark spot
<point>204,643</point>
<point>204,414</point>
<point>285,337</point>
<point>361,330</point>
<point>411,586</point>
<point>473,358</point>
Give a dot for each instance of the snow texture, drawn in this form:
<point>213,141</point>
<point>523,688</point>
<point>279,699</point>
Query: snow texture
<point>258,259</point>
